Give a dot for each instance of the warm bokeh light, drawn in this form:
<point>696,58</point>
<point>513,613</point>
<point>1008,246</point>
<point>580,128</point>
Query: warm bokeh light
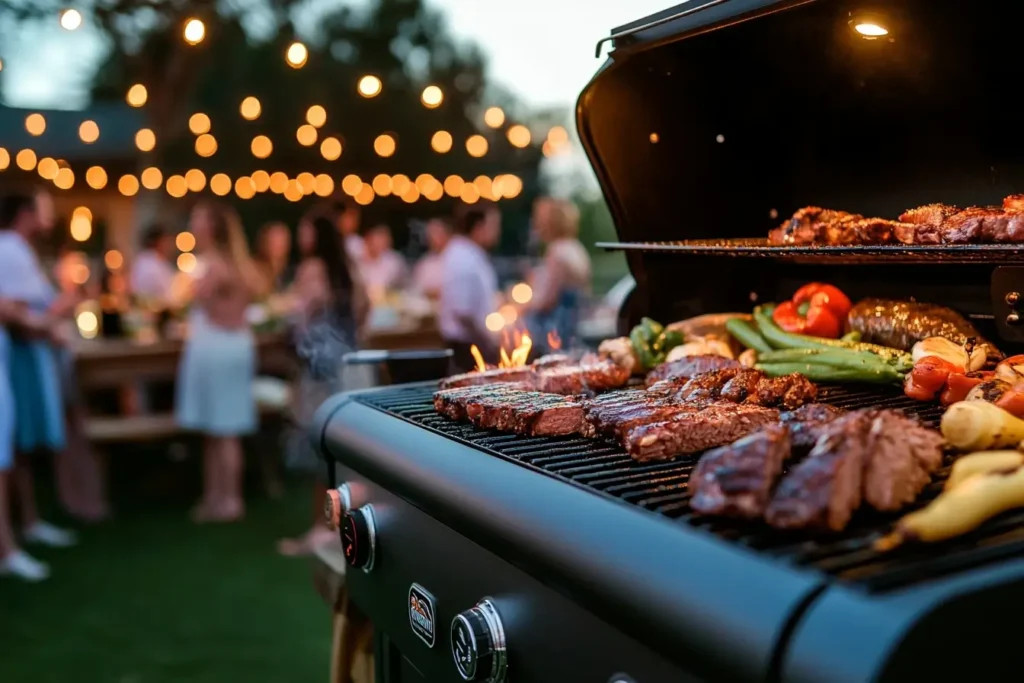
<point>80,228</point>
<point>511,186</point>
<point>519,136</point>
<point>152,178</point>
<point>88,132</point>
<point>96,177</point>
<point>351,185</point>
<point>137,95</point>
<point>220,184</point>
<point>292,191</point>
<point>278,182</point>
<point>509,314</point>
<point>434,192</point>
<point>65,179</point>
<point>47,168</point>
<point>244,188</point>
<point>483,185</point>
<point>316,116</point>
<point>185,241</point>
<point>558,136</point>
<point>296,55</point>
<point>306,135</point>
<point>306,181</point>
<point>5,159</point>
<point>88,324</point>
<point>364,196</point>
<point>128,185</point>
<point>323,185</point>
<point>382,184</point>
<point>113,259</point>
<point>494,117</point>
<point>384,145</point>
<point>400,184</point>
<point>870,30</point>
<point>261,181</point>
<point>370,86</point>
<point>206,145</point>
<point>195,180</point>
<point>199,123</point>
<point>469,194</point>
<point>441,142</point>
<point>522,293</point>
<point>26,160</point>
<point>83,211</point>
<point>35,124</point>
<point>194,32</point>
<point>261,147</point>
<point>476,145</point>
<point>70,19</point>
<point>250,108</point>
<point>494,322</point>
<point>187,262</point>
<point>176,186</point>
<point>330,148</point>
<point>453,185</point>
<point>411,194</point>
<point>432,97</point>
<point>145,140</point>
<point>424,181</point>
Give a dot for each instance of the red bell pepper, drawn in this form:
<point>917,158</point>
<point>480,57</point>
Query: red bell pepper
<point>928,378</point>
<point>959,384</point>
<point>1012,401</point>
<point>816,309</point>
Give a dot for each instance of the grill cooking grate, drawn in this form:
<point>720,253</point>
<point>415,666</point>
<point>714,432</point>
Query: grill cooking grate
<point>602,466</point>
<point>889,253</point>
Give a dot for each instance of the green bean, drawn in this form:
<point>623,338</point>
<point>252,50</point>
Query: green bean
<point>828,373</point>
<point>833,357</point>
<point>851,337</point>
<point>745,333</point>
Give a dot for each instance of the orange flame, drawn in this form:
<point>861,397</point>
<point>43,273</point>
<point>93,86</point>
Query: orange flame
<point>520,353</point>
<point>478,357</point>
<point>554,341</point>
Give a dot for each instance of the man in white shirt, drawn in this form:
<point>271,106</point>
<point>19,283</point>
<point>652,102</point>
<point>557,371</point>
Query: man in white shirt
<point>469,288</point>
<point>383,269</point>
<point>152,276</point>
<point>428,275</point>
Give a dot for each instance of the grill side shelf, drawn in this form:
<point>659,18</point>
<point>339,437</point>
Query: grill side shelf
<point>602,467</point>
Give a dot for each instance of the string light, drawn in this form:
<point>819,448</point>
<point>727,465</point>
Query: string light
<point>261,181</point>
<point>370,86</point>
<point>400,184</point>
<point>195,180</point>
<point>432,97</point>
<point>494,322</point>
<point>434,192</point>
<point>5,159</point>
<point>187,262</point>
<point>323,185</point>
<point>453,185</point>
<point>152,178</point>
<point>185,241</point>
<point>88,132</point>
<point>476,145</point>
<point>137,95</point>
<point>70,19</point>
<point>307,182</point>
<point>113,259</point>
<point>494,117</point>
<point>47,168</point>
<point>80,228</point>
<point>364,196</point>
<point>469,194</point>
<point>306,135</point>
<point>244,188</point>
<point>292,191</point>
<point>250,109</point>
<point>96,177</point>
<point>384,145</point>
<point>410,195</point>
<point>195,31</point>
<point>261,147</point>
<point>128,185</point>
<point>509,185</point>
<point>316,116</point>
<point>220,184</point>
<point>296,55</point>
<point>519,136</point>
<point>351,185</point>
<point>206,145</point>
<point>176,186</point>
<point>145,139</point>
<point>330,148</point>
<point>441,142</point>
<point>483,185</point>
<point>278,182</point>
<point>199,123</point>
<point>65,179</point>
<point>558,136</point>
<point>381,184</point>
<point>522,293</point>
<point>35,124</point>
<point>26,160</point>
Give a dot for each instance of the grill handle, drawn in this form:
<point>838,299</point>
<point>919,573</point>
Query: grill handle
<point>376,356</point>
<point>407,365</point>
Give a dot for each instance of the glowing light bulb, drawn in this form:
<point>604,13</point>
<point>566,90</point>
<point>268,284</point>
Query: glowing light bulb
<point>250,109</point>
<point>88,132</point>
<point>441,142</point>
<point>453,185</point>
<point>384,145</point>
<point>261,147</point>
<point>316,116</point>
<point>306,135</point>
<point>494,117</point>
<point>96,177</point>
<point>70,19</point>
<point>26,160</point>
<point>128,185</point>
<point>330,149</point>
<point>113,259</point>
<point>194,32</point>
<point>220,184</point>
<point>152,178</point>
<point>432,97</point>
<point>199,123</point>
<point>185,241</point>
<point>137,95</point>
<point>145,140</point>
<point>370,86</point>
<point>476,145</point>
<point>522,293</point>
<point>206,145</point>
<point>519,136</point>
<point>195,180</point>
<point>870,30</point>
<point>296,55</point>
<point>35,124</point>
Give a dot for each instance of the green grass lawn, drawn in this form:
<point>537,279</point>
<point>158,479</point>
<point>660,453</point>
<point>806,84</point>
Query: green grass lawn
<point>150,597</point>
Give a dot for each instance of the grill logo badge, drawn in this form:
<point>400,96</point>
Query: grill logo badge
<point>421,614</point>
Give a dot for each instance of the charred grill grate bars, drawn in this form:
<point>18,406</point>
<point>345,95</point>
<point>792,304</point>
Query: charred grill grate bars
<point>603,467</point>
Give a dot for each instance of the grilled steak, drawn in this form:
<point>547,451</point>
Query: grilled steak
<point>492,376</point>
<point>695,430</point>
<point>737,479</point>
<point>558,416</point>
<point>901,324</point>
<point>806,422</point>
<point>688,367</point>
<point>452,402</point>
<point>789,391</point>
<point>807,226</point>
<point>512,408</point>
<point>745,385</point>
<point>591,375</point>
<point>902,457</point>
<point>1014,203</point>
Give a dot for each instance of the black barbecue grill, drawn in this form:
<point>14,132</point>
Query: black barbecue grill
<point>560,559</point>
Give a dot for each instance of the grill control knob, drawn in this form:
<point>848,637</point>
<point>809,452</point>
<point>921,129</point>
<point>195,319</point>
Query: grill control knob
<point>1013,319</point>
<point>1013,298</point>
<point>478,644</point>
<point>337,503</point>
<point>359,538</point>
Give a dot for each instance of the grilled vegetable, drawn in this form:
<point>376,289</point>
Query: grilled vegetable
<point>816,309</point>
<point>928,378</point>
<point>881,374</point>
<point>620,350</point>
<point>961,509</point>
<point>979,425</point>
<point>651,342</point>
<point>642,348</point>
<point>982,462</point>
<point>958,385</point>
<point>747,335</point>
<point>956,355</point>
<point>851,337</point>
<point>1011,369</point>
<point>834,357</point>
<point>705,346</point>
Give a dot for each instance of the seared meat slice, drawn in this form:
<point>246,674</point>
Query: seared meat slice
<point>591,375</point>
<point>788,391</point>
<point>742,386</point>
<point>1014,203</point>
<point>746,385</point>
<point>807,226</point>
<point>924,225</point>
<point>696,430</point>
<point>856,230</point>
<point>737,479</point>
<point>452,402</point>
<point>806,422</point>
<point>901,459</point>
<point>708,387</point>
<point>984,224</point>
<point>560,416</point>
<point>612,417</point>
<point>466,379</point>
<point>688,367</point>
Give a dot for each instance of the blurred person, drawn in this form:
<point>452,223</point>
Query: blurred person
<point>273,249</point>
<point>332,308</point>
<point>562,281</point>
<point>382,269</point>
<point>214,391</point>
<point>469,288</point>
<point>152,275</point>
<point>428,274</point>
<point>347,215</point>
<point>32,362</point>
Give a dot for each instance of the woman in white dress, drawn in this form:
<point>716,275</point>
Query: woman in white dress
<point>214,392</point>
